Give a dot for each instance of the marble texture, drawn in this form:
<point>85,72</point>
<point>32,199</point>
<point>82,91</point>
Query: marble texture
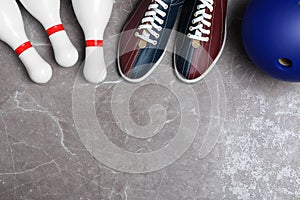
<point>72,140</point>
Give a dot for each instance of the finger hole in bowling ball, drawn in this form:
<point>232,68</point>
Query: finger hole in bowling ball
<point>299,3</point>
<point>285,62</point>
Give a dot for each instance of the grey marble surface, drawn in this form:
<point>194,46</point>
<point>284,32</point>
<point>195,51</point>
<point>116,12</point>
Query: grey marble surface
<point>237,136</point>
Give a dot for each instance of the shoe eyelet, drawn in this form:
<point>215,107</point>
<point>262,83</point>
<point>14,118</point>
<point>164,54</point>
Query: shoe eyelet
<point>155,43</point>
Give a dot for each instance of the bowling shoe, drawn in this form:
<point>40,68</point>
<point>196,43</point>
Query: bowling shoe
<point>144,37</point>
<point>200,38</point>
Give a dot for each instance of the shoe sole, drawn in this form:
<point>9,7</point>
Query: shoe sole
<point>209,68</point>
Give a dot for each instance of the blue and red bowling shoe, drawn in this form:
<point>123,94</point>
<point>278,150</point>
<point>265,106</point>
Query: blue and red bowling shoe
<point>144,37</point>
<point>200,38</point>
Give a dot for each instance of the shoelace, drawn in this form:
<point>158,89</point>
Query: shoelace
<point>201,19</point>
<point>148,22</point>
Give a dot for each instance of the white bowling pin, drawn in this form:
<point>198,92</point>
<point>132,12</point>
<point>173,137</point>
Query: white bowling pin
<point>93,16</point>
<point>48,13</point>
<point>12,32</point>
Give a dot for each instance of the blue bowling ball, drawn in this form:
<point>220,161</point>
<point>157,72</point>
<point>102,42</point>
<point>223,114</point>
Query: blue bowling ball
<point>271,37</point>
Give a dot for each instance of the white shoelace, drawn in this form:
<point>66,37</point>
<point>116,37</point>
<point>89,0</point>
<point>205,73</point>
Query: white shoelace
<point>148,22</point>
<point>202,19</point>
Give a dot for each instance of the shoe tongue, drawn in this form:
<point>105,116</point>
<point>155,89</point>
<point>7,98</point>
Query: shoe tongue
<point>174,1</point>
<point>168,1</point>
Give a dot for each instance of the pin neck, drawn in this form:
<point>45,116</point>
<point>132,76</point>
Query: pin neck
<point>23,47</point>
<point>94,43</point>
<point>54,29</point>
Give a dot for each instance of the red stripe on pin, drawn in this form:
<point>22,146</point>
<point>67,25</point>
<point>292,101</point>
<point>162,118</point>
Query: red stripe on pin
<point>94,43</point>
<point>55,29</point>
<point>22,48</point>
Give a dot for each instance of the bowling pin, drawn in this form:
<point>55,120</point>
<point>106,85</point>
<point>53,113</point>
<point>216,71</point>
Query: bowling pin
<point>93,16</point>
<point>12,32</point>
<point>48,13</point>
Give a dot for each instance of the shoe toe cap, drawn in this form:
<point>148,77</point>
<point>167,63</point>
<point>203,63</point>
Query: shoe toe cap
<point>192,64</point>
<point>138,64</point>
